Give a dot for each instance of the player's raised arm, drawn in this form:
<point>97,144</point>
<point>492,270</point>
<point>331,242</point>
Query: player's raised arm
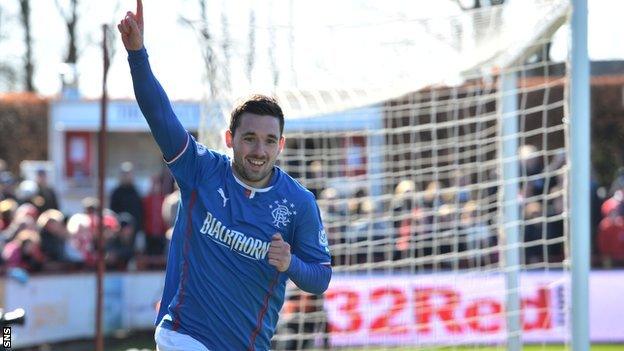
<point>170,136</point>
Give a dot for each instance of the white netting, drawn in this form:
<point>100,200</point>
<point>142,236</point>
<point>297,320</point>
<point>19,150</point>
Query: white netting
<point>435,141</point>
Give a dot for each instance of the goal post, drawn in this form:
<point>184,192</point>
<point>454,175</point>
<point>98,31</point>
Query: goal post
<point>438,144</point>
<point>580,147</point>
<point>511,211</point>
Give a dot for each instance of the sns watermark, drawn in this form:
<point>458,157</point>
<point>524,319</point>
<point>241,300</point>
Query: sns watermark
<point>6,337</point>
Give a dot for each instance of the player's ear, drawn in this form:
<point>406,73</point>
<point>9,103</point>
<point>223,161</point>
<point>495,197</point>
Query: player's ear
<point>281,143</point>
<point>228,138</point>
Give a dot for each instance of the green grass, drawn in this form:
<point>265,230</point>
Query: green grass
<point>145,341</point>
<point>600,347</point>
<point>595,347</point>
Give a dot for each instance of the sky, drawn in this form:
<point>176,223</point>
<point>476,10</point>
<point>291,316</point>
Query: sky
<point>332,40</point>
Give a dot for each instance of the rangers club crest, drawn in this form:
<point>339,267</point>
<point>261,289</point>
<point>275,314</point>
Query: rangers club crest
<point>282,212</point>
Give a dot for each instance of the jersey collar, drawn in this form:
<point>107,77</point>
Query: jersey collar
<point>251,190</point>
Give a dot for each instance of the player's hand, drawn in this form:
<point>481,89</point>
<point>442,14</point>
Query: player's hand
<point>131,28</point>
<point>279,253</point>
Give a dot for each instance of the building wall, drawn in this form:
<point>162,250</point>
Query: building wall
<point>136,147</point>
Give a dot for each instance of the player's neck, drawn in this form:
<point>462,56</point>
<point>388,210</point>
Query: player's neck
<point>260,184</point>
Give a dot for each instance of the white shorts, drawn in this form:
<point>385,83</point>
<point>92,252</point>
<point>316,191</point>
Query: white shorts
<point>169,340</point>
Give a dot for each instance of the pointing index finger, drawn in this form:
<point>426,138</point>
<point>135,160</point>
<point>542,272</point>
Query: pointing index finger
<point>139,10</point>
<point>277,236</point>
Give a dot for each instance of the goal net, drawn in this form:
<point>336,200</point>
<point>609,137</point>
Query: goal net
<point>434,137</point>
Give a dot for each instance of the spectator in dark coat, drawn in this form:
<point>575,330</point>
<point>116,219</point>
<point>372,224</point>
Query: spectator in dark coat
<point>120,245</point>
<point>45,193</point>
<point>7,185</point>
<point>53,235</point>
<point>126,198</point>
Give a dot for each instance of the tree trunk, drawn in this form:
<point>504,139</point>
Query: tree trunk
<point>28,58</point>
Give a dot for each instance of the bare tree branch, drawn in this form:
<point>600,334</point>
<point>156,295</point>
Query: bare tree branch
<point>112,24</point>
<point>225,46</point>
<point>8,76</point>
<point>61,10</point>
<point>94,38</point>
<point>70,17</point>
<point>207,44</point>
<point>272,50</point>
<point>252,44</point>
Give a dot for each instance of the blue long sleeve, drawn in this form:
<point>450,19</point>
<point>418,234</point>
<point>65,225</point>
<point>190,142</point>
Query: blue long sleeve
<point>167,130</point>
<point>309,277</point>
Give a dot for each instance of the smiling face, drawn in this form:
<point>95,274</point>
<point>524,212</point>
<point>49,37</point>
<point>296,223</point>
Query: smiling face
<point>256,143</point>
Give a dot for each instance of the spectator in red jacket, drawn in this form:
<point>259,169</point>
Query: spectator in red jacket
<point>614,203</point>
<point>611,238</point>
<point>153,223</point>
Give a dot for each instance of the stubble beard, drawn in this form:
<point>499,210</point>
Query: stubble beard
<point>250,176</point>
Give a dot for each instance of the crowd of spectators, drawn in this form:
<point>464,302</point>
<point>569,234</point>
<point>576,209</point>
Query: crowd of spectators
<point>35,236</point>
<point>455,221</point>
<point>448,224</point>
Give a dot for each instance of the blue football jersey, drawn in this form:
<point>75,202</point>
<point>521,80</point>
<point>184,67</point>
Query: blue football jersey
<point>219,287</point>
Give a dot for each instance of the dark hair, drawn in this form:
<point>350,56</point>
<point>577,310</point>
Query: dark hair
<point>258,105</point>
